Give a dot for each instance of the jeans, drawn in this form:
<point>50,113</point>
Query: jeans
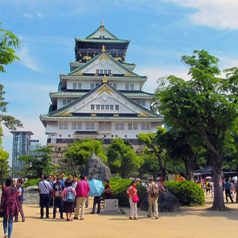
<point>96,202</point>
<point>7,225</point>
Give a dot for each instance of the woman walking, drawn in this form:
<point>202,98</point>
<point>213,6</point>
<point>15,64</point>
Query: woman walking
<point>133,200</point>
<point>20,199</point>
<point>9,206</point>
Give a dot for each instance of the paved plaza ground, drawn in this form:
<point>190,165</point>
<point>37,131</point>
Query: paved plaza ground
<point>190,222</point>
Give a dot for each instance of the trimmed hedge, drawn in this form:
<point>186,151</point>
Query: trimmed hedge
<point>31,182</point>
<point>187,192</point>
<point>119,187</point>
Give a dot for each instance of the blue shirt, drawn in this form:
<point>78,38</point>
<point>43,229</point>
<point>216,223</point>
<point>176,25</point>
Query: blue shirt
<point>44,187</point>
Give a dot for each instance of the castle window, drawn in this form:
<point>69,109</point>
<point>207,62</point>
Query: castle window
<point>92,107</point>
<point>90,125</point>
<point>117,107</point>
<point>63,125</point>
<point>74,85</point>
<point>119,126</point>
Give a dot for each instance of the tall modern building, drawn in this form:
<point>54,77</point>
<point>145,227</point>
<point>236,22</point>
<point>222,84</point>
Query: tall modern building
<point>101,97</point>
<point>20,146</point>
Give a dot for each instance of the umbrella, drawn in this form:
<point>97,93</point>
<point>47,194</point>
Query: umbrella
<point>96,187</point>
<point>235,178</point>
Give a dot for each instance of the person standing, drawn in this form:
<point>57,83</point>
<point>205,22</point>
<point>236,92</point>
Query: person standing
<point>227,187</point>
<point>133,200</point>
<point>9,206</point>
<point>57,196</point>
<point>153,194</point>
<point>97,202</point>
<point>82,190</point>
<point>44,190</point>
<point>107,190</point>
<point>20,191</point>
<point>68,196</point>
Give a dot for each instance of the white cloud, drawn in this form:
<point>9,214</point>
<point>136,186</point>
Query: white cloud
<point>154,73</point>
<point>220,14</point>
<point>27,60</point>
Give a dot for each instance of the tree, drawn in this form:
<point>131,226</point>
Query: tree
<point>4,166</point>
<point>205,106</point>
<point>8,41</point>
<point>78,154</point>
<point>122,158</point>
<point>38,164</point>
<point>154,145</point>
<point>182,146</point>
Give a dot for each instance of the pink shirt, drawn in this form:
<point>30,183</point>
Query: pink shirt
<point>82,189</point>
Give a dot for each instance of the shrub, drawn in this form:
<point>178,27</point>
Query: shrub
<point>119,187</point>
<point>31,182</point>
<point>187,192</point>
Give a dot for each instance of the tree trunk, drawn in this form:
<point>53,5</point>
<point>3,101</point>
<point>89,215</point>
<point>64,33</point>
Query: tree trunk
<point>189,170</point>
<point>162,167</point>
<point>218,201</point>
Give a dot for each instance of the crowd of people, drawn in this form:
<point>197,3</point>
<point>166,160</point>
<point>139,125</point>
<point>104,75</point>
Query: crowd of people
<point>230,188</point>
<point>70,196</point>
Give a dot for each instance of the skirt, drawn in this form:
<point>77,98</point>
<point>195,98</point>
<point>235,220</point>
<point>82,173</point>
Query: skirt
<point>68,207</point>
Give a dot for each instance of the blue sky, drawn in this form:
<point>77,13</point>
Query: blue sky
<point>160,31</point>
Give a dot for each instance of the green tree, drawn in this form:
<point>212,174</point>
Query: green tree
<point>78,154</point>
<point>4,166</point>
<point>122,158</point>
<point>37,164</point>
<point>8,43</point>
<point>154,145</point>
<point>205,106</point>
<point>182,146</point>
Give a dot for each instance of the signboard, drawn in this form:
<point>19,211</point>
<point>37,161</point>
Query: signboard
<point>111,205</point>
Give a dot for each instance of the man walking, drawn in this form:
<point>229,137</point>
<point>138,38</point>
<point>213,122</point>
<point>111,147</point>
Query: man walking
<point>82,190</point>
<point>153,194</point>
<point>44,190</point>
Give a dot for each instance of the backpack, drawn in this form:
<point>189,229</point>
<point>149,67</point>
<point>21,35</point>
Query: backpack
<point>70,197</point>
<point>154,191</point>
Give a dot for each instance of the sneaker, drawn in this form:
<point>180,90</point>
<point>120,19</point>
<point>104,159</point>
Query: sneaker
<point>156,217</point>
<point>148,215</point>
<point>81,218</point>
<point>130,218</point>
<point>75,218</point>
<point>135,218</point>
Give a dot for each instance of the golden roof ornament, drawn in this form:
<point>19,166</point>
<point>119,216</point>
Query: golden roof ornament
<point>103,49</point>
<point>104,79</point>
